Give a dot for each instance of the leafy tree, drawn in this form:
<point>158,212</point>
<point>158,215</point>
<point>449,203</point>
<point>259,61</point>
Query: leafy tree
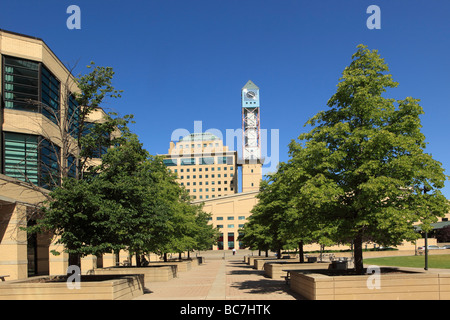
<point>366,168</point>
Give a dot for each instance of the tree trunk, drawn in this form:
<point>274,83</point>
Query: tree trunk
<point>300,252</point>
<point>278,253</point>
<point>165,257</point>
<point>138,259</point>
<point>359,267</point>
<point>267,253</point>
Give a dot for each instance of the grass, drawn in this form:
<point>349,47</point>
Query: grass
<point>434,261</point>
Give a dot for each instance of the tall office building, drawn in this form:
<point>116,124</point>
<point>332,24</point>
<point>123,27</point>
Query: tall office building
<point>205,167</point>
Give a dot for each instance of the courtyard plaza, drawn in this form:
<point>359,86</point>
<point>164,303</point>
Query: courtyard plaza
<point>222,276</point>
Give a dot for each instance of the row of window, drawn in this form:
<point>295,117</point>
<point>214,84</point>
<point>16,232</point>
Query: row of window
<point>230,218</point>
<point>200,183</point>
<point>198,145</point>
<point>206,196</point>
<point>201,161</point>
<point>207,189</point>
<point>206,169</point>
<point>225,175</point>
<point>230,226</point>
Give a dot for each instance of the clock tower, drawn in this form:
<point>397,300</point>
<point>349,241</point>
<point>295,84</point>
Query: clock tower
<point>251,139</point>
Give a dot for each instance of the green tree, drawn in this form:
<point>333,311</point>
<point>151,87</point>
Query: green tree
<point>365,164</point>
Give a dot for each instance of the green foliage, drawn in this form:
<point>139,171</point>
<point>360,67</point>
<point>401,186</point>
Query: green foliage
<point>364,163</point>
<point>360,174</point>
<point>130,201</point>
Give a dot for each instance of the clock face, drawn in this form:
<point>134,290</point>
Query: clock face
<point>251,95</point>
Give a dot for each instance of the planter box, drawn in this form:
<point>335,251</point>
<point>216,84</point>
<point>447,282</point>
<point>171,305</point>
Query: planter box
<point>259,264</point>
<point>401,285</point>
<point>151,273</point>
<point>278,270</point>
<point>182,265</point>
<point>251,259</point>
<point>92,287</point>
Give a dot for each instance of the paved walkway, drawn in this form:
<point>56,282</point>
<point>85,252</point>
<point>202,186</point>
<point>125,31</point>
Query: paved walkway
<point>220,279</point>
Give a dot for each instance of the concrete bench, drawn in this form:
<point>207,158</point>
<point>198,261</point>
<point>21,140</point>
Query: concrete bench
<point>4,276</point>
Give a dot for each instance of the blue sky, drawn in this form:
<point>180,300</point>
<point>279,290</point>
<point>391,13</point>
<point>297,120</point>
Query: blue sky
<point>180,61</point>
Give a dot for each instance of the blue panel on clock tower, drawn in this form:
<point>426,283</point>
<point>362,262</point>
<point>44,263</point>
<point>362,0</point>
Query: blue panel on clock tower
<point>250,95</point>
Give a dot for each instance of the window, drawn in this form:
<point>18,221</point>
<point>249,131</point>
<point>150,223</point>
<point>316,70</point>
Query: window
<point>207,160</point>
<point>21,83</point>
<point>73,116</point>
<point>49,155</point>
<point>219,218</point>
<point>230,240</point>
<point>187,161</point>
<point>21,156</point>
<point>170,162</point>
<point>32,158</point>
<point>102,147</point>
<point>71,166</point>
<point>225,160</point>
<point>50,95</point>
<point>241,218</point>
<point>230,218</point>
<point>230,226</point>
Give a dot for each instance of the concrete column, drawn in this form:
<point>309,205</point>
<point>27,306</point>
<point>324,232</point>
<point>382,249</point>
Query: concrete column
<point>13,241</point>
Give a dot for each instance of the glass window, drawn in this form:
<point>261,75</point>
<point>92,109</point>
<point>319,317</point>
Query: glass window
<point>207,160</point>
<point>50,173</point>
<point>102,149</point>
<point>21,84</point>
<point>225,160</point>
<point>21,156</point>
<point>170,162</point>
<point>31,158</point>
<point>187,161</point>
<point>73,116</point>
<point>71,166</point>
<point>50,95</point>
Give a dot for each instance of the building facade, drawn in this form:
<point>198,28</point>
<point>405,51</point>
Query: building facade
<point>38,121</point>
<point>205,167</point>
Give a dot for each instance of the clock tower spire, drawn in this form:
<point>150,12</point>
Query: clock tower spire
<point>251,138</point>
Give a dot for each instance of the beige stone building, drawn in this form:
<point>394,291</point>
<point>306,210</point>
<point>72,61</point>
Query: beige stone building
<point>205,167</point>
<point>38,117</point>
<point>209,171</point>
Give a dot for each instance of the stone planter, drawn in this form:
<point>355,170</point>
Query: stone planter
<point>395,284</point>
<point>278,270</point>
<point>155,273</point>
<point>92,287</point>
<point>259,264</point>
